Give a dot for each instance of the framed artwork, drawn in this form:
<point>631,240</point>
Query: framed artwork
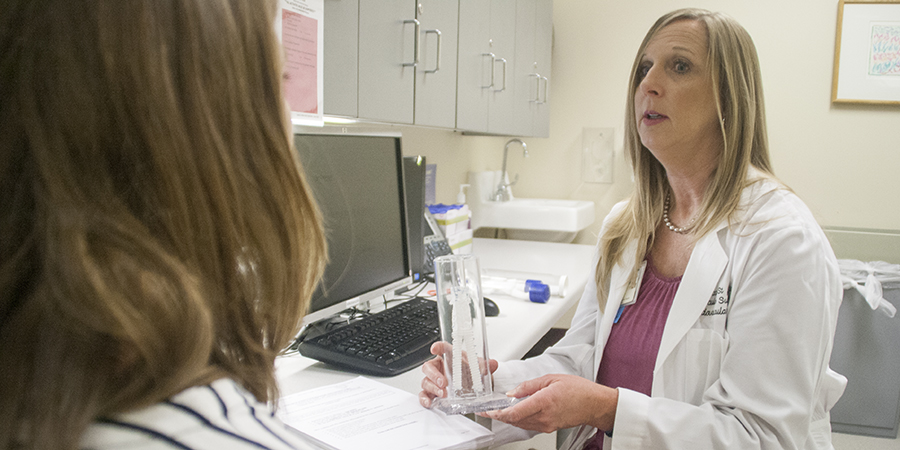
<point>867,52</point>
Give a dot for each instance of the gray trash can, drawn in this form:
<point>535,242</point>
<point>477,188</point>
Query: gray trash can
<point>867,350</point>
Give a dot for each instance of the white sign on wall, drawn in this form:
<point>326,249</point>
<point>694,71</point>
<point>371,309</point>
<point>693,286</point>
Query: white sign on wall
<point>299,24</point>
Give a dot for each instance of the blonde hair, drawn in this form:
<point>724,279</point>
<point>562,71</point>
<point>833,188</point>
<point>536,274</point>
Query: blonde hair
<point>157,230</point>
<point>737,85</point>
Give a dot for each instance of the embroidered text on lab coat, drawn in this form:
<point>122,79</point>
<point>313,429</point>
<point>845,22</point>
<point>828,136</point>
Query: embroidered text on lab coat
<point>718,302</point>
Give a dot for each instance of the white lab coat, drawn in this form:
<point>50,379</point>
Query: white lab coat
<point>743,360</point>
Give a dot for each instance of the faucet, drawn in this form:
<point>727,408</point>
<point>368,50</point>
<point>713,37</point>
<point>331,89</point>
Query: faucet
<point>502,193</point>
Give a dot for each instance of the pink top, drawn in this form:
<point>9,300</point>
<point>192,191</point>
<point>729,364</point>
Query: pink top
<point>630,352</point>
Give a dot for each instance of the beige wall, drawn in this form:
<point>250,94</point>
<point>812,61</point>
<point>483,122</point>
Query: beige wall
<point>842,160</point>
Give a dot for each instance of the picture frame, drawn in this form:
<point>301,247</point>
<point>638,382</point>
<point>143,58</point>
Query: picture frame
<point>867,53</point>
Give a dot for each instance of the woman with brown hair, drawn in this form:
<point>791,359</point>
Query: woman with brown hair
<point>159,242</point>
<point>710,320</point>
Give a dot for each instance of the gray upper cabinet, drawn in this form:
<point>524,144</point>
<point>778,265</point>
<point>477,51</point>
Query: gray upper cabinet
<point>504,67</point>
<point>474,65</point>
<point>475,62</point>
<point>436,71</point>
<point>388,45</point>
<point>487,33</point>
<point>341,47</point>
<point>534,19</point>
<point>392,60</point>
<point>543,48</point>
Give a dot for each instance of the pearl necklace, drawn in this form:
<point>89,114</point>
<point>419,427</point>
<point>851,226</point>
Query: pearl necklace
<point>669,225</point>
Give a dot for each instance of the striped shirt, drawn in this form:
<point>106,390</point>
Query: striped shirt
<point>219,416</point>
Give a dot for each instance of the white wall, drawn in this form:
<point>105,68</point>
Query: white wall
<point>450,151</point>
<point>842,160</point>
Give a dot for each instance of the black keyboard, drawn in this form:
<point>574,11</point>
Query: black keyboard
<point>385,343</point>
<point>434,247</point>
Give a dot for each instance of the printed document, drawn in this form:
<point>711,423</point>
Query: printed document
<point>300,25</point>
<point>363,414</point>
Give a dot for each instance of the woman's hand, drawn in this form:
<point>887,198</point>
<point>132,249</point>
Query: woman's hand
<point>434,384</point>
<point>560,401</point>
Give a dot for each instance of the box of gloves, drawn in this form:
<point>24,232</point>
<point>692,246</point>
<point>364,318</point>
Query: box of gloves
<point>454,222</point>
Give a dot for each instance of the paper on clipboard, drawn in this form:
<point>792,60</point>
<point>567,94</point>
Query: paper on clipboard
<point>300,25</point>
<point>363,414</point>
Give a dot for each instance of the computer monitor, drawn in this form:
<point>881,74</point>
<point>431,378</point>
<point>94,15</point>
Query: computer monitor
<point>414,178</point>
<point>357,181</point>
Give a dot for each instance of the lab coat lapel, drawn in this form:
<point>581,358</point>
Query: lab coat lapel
<point>703,271</point>
<point>617,287</point>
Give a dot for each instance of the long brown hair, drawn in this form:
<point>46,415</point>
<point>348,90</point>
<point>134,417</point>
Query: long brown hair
<point>737,85</point>
<point>156,230</point>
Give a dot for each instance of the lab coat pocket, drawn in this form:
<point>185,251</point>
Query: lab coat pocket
<point>704,350</point>
<point>835,384</point>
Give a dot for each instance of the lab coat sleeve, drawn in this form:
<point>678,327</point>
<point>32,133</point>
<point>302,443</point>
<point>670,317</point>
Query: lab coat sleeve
<point>573,354</point>
<point>773,372</point>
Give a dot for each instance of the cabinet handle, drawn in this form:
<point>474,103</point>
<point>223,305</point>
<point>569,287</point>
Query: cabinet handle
<point>537,85</point>
<point>492,56</point>
<point>503,60</point>
<point>546,88</point>
<point>437,63</point>
<point>415,43</point>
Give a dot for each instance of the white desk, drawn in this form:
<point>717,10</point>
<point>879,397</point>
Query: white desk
<point>510,335</point>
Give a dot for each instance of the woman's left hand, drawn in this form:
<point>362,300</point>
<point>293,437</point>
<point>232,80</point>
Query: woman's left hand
<point>560,401</point>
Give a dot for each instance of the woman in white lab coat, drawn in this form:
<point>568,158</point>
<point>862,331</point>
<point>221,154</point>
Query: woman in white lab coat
<point>710,322</point>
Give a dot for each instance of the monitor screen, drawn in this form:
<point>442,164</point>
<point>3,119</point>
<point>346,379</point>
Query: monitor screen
<point>357,181</point>
<point>414,178</point>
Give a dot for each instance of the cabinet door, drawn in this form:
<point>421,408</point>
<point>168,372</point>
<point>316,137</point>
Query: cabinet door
<point>543,43</point>
<point>474,66</point>
<point>488,85</point>
<point>534,27</point>
<point>341,47</point>
<point>525,76</point>
<point>388,40</point>
<point>501,107</point>
<point>435,89</point>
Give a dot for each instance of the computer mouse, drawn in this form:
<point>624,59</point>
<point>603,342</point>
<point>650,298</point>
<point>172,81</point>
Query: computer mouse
<point>490,308</point>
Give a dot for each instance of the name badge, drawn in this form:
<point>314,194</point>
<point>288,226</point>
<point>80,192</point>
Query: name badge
<point>631,293</point>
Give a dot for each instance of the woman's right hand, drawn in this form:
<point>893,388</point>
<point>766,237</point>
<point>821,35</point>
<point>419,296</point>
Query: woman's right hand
<point>434,385</point>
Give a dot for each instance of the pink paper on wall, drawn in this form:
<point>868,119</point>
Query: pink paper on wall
<point>300,40</point>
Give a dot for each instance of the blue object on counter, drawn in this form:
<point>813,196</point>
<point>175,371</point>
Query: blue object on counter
<point>537,292</point>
